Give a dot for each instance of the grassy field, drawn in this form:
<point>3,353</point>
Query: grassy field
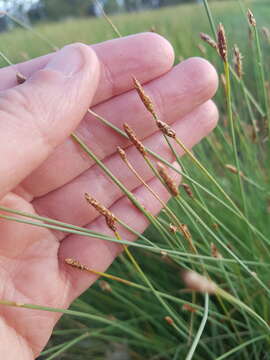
<point>181,25</point>
<point>130,321</point>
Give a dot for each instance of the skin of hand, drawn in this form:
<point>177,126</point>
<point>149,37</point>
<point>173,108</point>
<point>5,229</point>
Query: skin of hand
<point>43,171</point>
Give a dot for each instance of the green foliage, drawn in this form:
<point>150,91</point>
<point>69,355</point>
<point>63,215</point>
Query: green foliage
<point>111,7</point>
<point>63,8</point>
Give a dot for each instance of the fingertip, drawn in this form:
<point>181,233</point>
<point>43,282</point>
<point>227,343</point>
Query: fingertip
<point>202,75</point>
<point>164,52</point>
<point>210,115</point>
<point>161,51</point>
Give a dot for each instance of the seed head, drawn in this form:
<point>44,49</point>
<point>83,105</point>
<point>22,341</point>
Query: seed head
<point>164,253</point>
<point>222,43</point>
<point>206,38</point>
<point>251,18</point>
<point>18,304</point>
<point>266,32</point>
<point>233,169</point>
<point>133,138</point>
<point>105,286</point>
<point>215,226</point>
<point>189,308</point>
<point>144,97</point>
<point>185,231</point>
<point>237,59</point>
<point>20,78</point>
<point>109,217</point>
<point>166,129</point>
<point>214,252</point>
<point>202,49</point>
<point>223,81</point>
<point>170,183</point>
<point>75,264</point>
<point>173,229</point>
<point>188,190</point>
<point>197,282</point>
<point>169,320</point>
<point>122,153</point>
<point>181,58</point>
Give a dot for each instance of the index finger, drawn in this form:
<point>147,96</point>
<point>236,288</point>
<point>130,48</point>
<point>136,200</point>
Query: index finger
<point>145,55</point>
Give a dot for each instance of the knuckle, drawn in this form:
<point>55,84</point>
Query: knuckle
<point>15,102</point>
<point>24,110</point>
<point>109,78</point>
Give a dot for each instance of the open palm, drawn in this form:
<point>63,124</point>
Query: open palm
<point>45,172</point>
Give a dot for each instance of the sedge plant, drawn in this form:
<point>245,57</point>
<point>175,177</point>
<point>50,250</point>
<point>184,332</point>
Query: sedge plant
<point>195,284</point>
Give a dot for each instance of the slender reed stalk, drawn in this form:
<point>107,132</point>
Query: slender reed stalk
<point>200,330</point>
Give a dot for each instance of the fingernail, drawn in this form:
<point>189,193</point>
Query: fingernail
<point>67,61</point>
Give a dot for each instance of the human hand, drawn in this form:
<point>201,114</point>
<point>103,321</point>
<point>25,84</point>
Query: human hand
<point>45,172</point>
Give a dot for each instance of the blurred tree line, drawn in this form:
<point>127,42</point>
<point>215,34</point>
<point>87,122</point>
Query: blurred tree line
<point>37,10</point>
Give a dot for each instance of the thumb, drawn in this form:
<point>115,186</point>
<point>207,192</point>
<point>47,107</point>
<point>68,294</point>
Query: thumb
<point>39,114</point>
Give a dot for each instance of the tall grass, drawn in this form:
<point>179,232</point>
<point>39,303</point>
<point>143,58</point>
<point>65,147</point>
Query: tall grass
<point>143,308</point>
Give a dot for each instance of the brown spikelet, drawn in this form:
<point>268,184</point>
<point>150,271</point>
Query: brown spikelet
<point>169,320</point>
<point>202,49</point>
<point>185,231</point>
<point>189,308</point>
<point>75,264</point>
<point>215,226</point>
<point>166,129</point>
<point>233,169</point>
<point>197,282</point>
<point>144,97</point>
<point>173,229</point>
<point>181,58</point>
<point>133,138</point>
<point>266,33</point>
<point>251,18</point>
<point>223,81</point>
<point>109,217</point>
<point>18,304</point>
<point>163,253</point>
<point>188,190</point>
<point>24,55</point>
<point>170,183</point>
<point>206,38</point>
<point>20,78</point>
<point>214,252</point>
<point>237,59</point>
<point>122,153</point>
<point>222,43</point>
<point>105,286</point>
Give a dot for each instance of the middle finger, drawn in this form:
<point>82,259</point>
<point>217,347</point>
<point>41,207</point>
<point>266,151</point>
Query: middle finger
<point>175,94</point>
<point>67,204</point>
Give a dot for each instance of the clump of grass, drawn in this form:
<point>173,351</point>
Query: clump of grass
<point>216,227</point>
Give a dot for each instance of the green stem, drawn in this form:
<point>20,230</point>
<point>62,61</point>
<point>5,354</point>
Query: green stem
<point>200,330</point>
<point>68,345</point>
<point>210,18</point>
<point>262,75</point>
<point>241,346</point>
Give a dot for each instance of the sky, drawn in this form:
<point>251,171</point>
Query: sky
<point>5,5</point>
